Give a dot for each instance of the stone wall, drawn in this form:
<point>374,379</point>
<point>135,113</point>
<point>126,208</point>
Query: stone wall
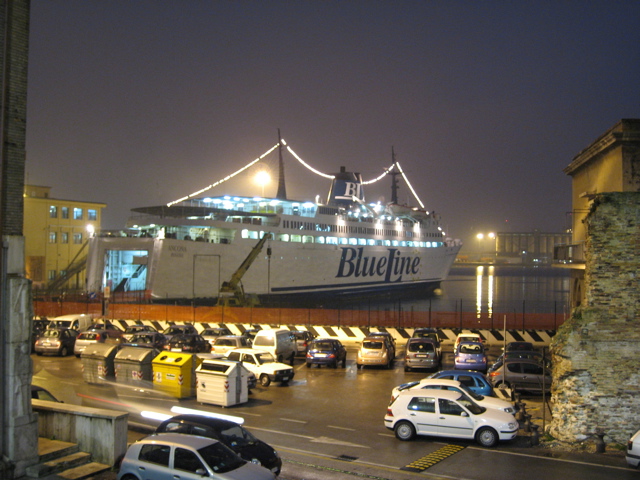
<point>596,353</point>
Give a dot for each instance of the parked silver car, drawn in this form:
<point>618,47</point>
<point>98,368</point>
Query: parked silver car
<point>174,455</point>
<point>527,375</point>
<point>90,337</point>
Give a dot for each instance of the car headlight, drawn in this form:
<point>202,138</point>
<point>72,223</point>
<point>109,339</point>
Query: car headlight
<point>256,461</point>
<point>512,425</point>
<point>510,410</point>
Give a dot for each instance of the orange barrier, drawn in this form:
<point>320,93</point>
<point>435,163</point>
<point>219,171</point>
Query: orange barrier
<point>304,316</point>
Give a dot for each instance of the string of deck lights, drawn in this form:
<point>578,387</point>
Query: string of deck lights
<point>302,162</point>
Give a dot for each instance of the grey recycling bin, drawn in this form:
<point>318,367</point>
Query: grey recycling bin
<point>133,365</point>
<point>98,363</point>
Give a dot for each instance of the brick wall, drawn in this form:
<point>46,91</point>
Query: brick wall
<point>596,387</point>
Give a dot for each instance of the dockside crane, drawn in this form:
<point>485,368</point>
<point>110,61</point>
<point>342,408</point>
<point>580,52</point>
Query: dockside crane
<point>232,292</point>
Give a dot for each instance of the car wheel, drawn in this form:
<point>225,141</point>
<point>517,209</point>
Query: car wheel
<point>405,431</point>
<point>129,477</point>
<point>487,437</point>
<point>39,353</point>
<point>308,365</point>
<point>503,385</point>
<point>64,351</point>
<point>292,359</point>
<point>334,364</point>
<point>265,381</point>
<point>407,369</point>
<point>344,362</point>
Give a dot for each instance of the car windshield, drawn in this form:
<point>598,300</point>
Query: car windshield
<point>470,405</point>
<point>142,339</point>
<point>51,333</point>
<point>237,436</point>
<point>372,345</point>
<point>264,357</point>
<point>407,386</point>
<point>220,458</point>
<point>322,346</point>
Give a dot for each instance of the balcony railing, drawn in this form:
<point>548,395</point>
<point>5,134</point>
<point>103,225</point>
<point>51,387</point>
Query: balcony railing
<point>569,253</point>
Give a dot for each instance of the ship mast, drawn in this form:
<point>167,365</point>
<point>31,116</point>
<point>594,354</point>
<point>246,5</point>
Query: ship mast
<point>282,189</point>
<point>394,180</point>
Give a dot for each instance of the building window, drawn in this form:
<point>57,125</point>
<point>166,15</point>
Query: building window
<point>64,237</point>
<point>53,211</point>
<point>92,214</point>
<point>65,212</point>
<point>77,238</point>
<point>52,274</point>
<point>77,213</point>
<point>53,237</point>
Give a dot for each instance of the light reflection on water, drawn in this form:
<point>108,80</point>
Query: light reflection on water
<point>493,289</point>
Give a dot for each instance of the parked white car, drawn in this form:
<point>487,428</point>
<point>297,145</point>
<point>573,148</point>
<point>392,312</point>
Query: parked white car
<point>174,455</point>
<point>263,365</point>
<point>455,386</point>
<point>228,342</point>
<point>443,413</point>
<point>633,450</point>
<point>467,337</point>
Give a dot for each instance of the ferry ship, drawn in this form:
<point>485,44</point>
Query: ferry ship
<point>211,248</point>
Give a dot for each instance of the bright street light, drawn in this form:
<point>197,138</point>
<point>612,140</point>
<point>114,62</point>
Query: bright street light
<point>262,178</point>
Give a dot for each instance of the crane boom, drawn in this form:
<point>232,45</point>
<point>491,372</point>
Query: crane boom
<point>233,288</point>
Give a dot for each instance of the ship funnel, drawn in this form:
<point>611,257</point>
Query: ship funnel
<point>344,187</point>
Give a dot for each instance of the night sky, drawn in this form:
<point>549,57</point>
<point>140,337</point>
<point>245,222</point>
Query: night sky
<point>138,103</point>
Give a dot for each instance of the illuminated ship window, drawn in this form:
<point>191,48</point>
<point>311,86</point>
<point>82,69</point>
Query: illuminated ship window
<point>332,240</point>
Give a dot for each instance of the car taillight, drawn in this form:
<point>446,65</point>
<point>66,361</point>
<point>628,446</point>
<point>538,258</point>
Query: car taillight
<point>309,355</point>
<point>98,337</point>
<point>389,412</point>
<point>495,373</point>
<point>331,355</point>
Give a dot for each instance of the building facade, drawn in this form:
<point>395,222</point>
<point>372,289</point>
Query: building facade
<point>56,233</point>
<point>610,164</point>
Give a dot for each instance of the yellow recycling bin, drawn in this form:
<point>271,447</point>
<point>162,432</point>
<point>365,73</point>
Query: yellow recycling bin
<point>174,373</point>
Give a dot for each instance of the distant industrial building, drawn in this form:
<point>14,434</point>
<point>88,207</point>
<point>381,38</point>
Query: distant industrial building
<point>56,233</point>
<point>526,248</point>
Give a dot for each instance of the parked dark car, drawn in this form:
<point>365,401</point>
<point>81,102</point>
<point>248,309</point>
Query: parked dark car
<point>188,342</point>
<point>40,393</point>
<point>58,341</point>
<point>326,351</point>
<point>512,346</point>
<point>105,325</point>
<point>172,330</point>
<point>233,435</point>
<point>148,340</point>
<point>132,330</point>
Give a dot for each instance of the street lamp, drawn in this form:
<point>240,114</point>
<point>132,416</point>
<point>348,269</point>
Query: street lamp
<point>262,178</point>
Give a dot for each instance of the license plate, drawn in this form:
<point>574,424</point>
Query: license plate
<point>284,379</point>
<point>321,355</point>
<point>422,355</point>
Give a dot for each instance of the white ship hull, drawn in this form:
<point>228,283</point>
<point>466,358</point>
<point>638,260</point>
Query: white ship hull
<point>184,269</point>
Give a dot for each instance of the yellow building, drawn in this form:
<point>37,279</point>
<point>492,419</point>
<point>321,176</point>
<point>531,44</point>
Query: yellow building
<point>56,233</point>
<point>610,164</point>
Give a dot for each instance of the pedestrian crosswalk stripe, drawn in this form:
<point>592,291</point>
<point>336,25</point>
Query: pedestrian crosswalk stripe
<point>433,458</point>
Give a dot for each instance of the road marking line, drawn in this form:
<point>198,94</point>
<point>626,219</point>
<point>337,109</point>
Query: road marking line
<point>293,420</point>
<point>342,428</point>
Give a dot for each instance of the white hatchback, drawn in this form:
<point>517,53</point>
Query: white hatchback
<point>443,413</point>
<point>633,450</point>
<point>455,386</point>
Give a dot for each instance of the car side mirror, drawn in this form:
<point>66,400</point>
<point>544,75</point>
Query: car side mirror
<point>202,472</point>
<point>464,414</point>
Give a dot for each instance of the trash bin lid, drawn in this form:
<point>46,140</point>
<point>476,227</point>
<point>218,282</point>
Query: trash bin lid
<point>220,367</point>
<point>136,354</point>
<point>100,350</point>
<point>172,358</point>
